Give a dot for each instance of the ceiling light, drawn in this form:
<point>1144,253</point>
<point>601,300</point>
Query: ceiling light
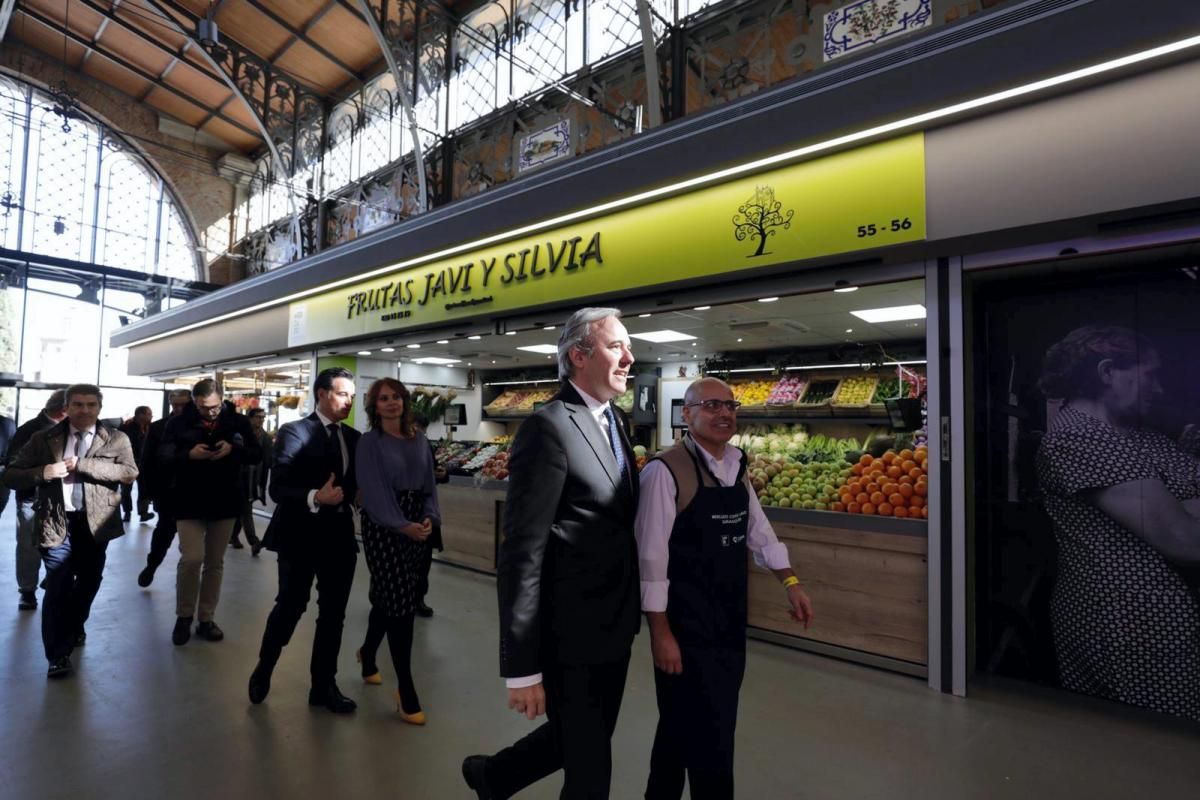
<point>435,360</point>
<point>693,344</point>
<point>752,369</point>
<point>387,349</point>
<point>864,366</point>
<point>849,330</point>
<point>659,358</point>
<point>510,333</point>
<point>413,346</point>
<point>845,289</point>
<point>521,383</point>
<point>364,352</point>
<point>890,314</point>
<point>643,316</point>
<point>701,308</point>
<point>548,328</point>
<point>443,341</point>
<point>924,120</point>
<point>475,337</point>
<point>739,339</point>
<point>659,337</point>
<point>767,299</point>
<point>493,361</point>
<point>539,348</point>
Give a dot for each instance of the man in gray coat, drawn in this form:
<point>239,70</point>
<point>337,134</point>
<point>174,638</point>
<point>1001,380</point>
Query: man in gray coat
<point>77,467</point>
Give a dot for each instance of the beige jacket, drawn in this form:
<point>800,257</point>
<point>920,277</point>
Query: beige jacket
<point>108,463</point>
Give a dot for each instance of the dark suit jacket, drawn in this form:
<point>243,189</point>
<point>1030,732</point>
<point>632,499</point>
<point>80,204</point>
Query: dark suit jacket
<point>567,575</point>
<point>24,433</point>
<point>8,432</point>
<point>157,473</point>
<point>301,465</point>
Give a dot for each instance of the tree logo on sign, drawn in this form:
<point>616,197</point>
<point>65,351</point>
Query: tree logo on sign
<point>760,217</point>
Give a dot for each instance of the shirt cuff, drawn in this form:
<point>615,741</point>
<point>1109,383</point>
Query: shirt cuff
<point>774,556</point>
<point>654,595</point>
<point>312,501</point>
<point>523,683</point>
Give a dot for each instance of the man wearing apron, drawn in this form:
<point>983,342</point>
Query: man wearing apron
<point>697,518</point>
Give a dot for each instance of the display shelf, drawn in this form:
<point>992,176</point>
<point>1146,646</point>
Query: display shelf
<point>872,415</point>
<point>469,482</point>
<point>844,521</point>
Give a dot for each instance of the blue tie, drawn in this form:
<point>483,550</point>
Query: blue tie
<point>77,486</point>
<point>614,439</point>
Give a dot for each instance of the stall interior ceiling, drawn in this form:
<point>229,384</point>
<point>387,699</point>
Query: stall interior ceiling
<point>821,321</point>
<point>273,376</point>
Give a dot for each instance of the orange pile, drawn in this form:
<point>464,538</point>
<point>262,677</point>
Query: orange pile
<point>893,485</point>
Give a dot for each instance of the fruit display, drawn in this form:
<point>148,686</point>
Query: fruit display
<point>496,467</point>
<point>787,441</point>
<point>894,485</point>
<point>819,392</point>
<point>784,484</point>
<point>856,390</point>
<point>481,457</point>
<point>624,401</point>
<point>893,389</point>
<point>787,391</point>
<point>752,393</point>
<point>450,455</point>
<point>639,452</point>
<point>518,401</point>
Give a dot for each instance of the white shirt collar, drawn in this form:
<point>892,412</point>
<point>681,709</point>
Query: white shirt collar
<point>325,421</point>
<point>87,431</point>
<point>595,406</point>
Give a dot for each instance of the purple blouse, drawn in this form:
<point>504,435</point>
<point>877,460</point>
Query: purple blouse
<point>387,464</point>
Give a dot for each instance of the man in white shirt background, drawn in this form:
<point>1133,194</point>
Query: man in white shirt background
<point>697,520</point>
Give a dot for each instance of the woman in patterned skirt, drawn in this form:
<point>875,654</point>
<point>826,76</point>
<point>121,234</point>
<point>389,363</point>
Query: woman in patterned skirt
<point>1123,499</point>
<point>399,508</point>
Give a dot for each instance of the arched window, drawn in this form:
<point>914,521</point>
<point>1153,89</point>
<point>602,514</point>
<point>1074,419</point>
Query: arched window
<point>75,189</point>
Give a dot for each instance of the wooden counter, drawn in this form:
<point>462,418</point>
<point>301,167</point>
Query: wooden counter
<point>866,576</point>
<point>868,587</point>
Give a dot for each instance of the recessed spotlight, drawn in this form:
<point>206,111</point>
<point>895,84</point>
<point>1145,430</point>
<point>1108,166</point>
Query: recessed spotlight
<point>643,316</point>
<point>443,341</point>
<point>475,337</point>
<point>767,299</point>
<point>364,352</point>
<point>849,330</point>
<point>739,339</point>
<point>659,358</point>
<point>549,358</point>
<point>510,333</point>
<point>693,344</point>
<point>701,308</point>
<point>846,289</point>
<point>493,361</point>
<point>387,349</point>
<point>413,346</point>
<point>548,328</point>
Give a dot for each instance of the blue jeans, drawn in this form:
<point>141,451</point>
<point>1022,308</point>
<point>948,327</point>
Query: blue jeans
<point>73,573</point>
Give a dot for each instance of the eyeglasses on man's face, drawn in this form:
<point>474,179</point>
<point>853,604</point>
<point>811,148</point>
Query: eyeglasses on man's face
<point>713,406</point>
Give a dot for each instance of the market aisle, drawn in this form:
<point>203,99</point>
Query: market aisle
<point>142,719</point>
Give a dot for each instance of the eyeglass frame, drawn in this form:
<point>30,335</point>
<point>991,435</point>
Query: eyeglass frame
<point>730,405</point>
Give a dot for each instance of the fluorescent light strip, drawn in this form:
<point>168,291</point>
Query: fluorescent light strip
<point>749,369</point>
<point>842,366</point>
<point>718,176</point>
<point>522,383</point>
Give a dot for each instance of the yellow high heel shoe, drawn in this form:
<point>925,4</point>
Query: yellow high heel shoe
<point>375,678</point>
<point>412,719</point>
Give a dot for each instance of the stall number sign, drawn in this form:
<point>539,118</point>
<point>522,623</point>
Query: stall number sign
<point>865,198</point>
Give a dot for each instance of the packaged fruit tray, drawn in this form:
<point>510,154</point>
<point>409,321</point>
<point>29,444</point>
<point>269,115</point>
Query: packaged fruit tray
<point>752,393</point>
<point>787,392</point>
<point>818,392</point>
<point>855,391</point>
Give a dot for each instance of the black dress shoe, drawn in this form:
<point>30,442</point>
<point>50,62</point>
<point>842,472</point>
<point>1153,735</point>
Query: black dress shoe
<point>28,601</point>
<point>331,698</point>
<point>424,610</point>
<point>125,517</point>
<point>474,770</point>
<point>236,544</point>
<point>260,683</point>
<point>210,631</point>
<point>256,548</point>
<point>146,576</point>
<point>149,515</point>
<point>60,668</point>
<point>182,631</point>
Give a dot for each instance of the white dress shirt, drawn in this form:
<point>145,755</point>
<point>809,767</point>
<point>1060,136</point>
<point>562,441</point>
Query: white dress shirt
<point>68,483</point>
<point>656,519</point>
<point>597,409</point>
<point>313,505</point>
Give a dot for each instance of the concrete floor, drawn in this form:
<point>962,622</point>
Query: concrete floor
<point>141,718</point>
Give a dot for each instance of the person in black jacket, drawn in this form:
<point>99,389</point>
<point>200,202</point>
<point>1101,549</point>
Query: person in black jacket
<point>157,486</point>
<point>207,444</point>
<point>136,428</point>
<point>29,561</point>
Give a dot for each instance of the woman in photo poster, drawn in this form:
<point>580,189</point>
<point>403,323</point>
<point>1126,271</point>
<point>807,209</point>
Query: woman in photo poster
<point>1126,513</point>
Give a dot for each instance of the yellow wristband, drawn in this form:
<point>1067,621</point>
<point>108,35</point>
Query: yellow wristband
<point>790,581</point>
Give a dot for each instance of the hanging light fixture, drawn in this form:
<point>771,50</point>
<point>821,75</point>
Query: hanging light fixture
<point>66,102</point>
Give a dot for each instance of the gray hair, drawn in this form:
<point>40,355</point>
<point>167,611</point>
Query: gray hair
<point>577,334</point>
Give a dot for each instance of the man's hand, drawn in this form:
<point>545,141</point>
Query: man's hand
<point>71,462</point>
<point>200,453</point>
<point>223,449</point>
<point>330,495</point>
<point>54,471</point>
<point>663,645</point>
<point>528,700</point>
<point>801,609</point>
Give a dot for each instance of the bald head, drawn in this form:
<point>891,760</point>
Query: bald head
<point>712,427</point>
<point>696,390</point>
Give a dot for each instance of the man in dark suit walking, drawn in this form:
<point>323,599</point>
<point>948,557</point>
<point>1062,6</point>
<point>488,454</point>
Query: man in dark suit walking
<point>568,575</point>
<point>312,530</point>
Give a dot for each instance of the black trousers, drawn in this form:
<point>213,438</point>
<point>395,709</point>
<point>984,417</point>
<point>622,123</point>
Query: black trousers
<point>697,715</point>
<point>245,521</point>
<point>143,502</point>
<point>332,566</point>
<point>74,570</point>
<point>582,704</point>
<point>164,534</point>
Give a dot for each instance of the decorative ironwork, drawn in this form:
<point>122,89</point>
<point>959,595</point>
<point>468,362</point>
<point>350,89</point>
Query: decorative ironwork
<point>66,105</point>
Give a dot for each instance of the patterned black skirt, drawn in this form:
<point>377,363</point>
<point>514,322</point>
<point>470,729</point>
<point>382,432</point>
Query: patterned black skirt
<point>394,561</point>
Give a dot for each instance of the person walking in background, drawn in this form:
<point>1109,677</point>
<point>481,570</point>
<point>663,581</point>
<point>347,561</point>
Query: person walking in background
<point>252,484</point>
<point>207,444</point>
<point>313,485</point>
<point>136,428</point>
<point>76,466</point>
<point>1125,502</point>
<point>434,542</point>
<point>394,465</point>
<point>158,486</point>
<point>697,520</point>
<point>29,560</point>
<point>567,577</point>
